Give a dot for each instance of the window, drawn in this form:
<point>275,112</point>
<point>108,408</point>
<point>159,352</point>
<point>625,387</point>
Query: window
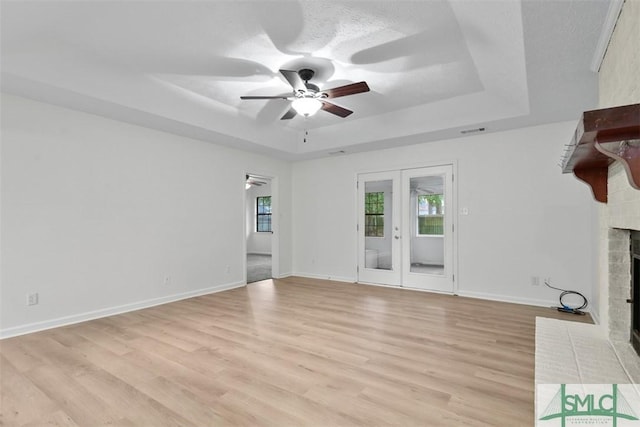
<point>431,215</point>
<point>374,214</point>
<point>263,214</point>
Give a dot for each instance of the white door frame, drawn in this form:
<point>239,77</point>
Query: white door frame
<point>454,201</point>
<point>275,223</point>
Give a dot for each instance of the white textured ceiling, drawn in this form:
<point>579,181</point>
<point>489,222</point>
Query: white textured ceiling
<point>434,67</point>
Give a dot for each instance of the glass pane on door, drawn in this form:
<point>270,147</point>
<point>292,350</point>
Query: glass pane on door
<point>427,229</point>
<point>378,220</point>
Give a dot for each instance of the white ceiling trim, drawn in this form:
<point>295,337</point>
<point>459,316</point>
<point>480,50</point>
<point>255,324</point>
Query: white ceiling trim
<point>615,8</point>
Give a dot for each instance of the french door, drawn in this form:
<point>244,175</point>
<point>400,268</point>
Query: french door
<point>379,228</point>
<point>405,228</point>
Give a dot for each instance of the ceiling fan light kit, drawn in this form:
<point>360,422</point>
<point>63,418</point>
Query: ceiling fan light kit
<point>306,106</point>
<point>307,98</point>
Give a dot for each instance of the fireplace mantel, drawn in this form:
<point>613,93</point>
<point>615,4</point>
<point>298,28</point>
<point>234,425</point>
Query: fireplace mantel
<point>601,138</point>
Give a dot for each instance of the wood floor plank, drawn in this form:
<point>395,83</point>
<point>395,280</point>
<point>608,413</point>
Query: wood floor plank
<point>257,413</point>
<point>115,364</point>
<point>83,407</point>
<point>55,419</point>
<point>21,358</point>
<point>129,400</point>
<point>277,398</point>
<point>26,402</point>
<point>287,352</point>
<point>181,401</point>
<point>112,339</point>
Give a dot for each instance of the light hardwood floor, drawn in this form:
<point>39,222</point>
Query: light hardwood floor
<point>290,352</point>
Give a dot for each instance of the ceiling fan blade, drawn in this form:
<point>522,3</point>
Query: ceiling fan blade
<point>282,23</point>
<point>264,97</point>
<point>345,90</point>
<point>294,80</point>
<point>289,114</point>
<point>334,109</point>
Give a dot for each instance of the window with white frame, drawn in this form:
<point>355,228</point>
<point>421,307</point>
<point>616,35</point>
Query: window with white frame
<point>374,214</point>
<point>263,214</point>
<point>430,215</point>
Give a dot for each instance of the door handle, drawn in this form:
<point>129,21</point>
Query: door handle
<point>396,237</point>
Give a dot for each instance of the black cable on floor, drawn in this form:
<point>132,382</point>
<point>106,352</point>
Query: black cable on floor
<point>565,308</point>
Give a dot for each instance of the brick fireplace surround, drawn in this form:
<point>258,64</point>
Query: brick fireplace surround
<point>618,85</point>
<point>623,215</point>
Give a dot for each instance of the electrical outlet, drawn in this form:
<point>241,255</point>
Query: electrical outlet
<point>167,280</point>
<point>227,269</point>
<point>535,280</point>
<point>547,280</point>
<point>32,298</point>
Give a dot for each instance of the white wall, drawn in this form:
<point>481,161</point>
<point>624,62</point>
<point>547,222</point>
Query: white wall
<point>257,243</point>
<point>525,218</point>
<point>96,213</point>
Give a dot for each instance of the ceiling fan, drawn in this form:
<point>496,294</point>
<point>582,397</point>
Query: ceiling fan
<point>252,181</point>
<point>308,98</point>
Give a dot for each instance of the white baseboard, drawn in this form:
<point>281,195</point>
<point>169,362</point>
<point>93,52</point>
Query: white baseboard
<point>404,288</point>
<point>283,275</point>
<point>105,312</point>
<point>326,277</point>
<point>507,298</point>
<point>382,285</point>
<point>462,293</point>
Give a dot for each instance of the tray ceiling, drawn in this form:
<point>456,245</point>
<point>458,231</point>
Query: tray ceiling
<point>434,67</point>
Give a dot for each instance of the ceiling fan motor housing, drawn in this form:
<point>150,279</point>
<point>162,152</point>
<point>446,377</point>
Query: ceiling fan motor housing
<point>306,74</point>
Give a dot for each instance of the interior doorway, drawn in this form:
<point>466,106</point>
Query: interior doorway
<point>405,228</point>
<point>259,227</point>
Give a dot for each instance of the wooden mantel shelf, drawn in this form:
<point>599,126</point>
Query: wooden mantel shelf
<point>601,138</point>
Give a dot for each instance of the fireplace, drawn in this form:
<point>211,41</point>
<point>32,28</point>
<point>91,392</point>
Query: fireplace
<point>621,265</point>
<point>624,296</point>
<point>635,290</point>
